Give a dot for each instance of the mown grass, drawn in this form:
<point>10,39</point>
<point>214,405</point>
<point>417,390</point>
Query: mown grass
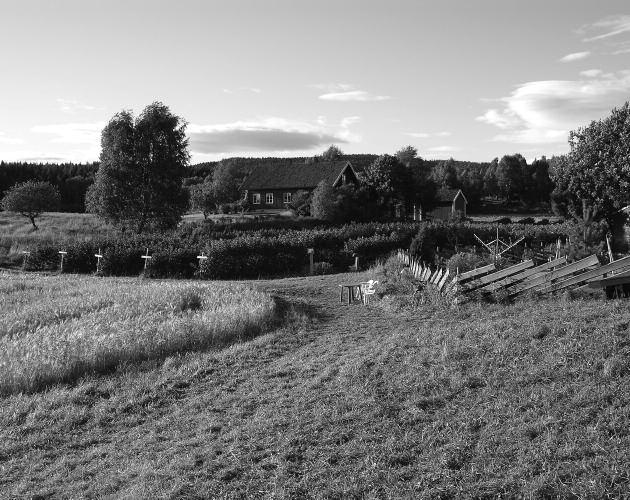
<point>17,233</point>
<point>56,328</point>
<point>529,400</point>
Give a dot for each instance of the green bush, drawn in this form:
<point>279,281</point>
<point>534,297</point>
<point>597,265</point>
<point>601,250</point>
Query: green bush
<point>463,261</point>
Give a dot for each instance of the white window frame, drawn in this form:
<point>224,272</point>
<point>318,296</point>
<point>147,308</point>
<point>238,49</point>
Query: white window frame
<point>268,198</point>
<point>287,197</point>
<point>255,198</point>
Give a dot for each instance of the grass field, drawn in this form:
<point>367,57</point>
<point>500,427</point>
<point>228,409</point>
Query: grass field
<point>17,233</point>
<point>57,328</point>
<point>529,400</point>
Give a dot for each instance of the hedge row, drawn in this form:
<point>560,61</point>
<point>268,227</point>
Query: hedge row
<point>270,251</point>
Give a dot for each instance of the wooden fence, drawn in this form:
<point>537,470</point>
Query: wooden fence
<point>547,277</point>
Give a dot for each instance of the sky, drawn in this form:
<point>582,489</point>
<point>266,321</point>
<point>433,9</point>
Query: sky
<point>472,80</point>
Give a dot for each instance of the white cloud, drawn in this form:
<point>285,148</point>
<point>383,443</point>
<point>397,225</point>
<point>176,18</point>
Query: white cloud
<point>353,95</point>
<point>443,149</point>
<point>591,73</point>
<point>543,112</point>
<point>349,121</point>
<point>72,133</point>
<point>267,135</point>
<point>427,135</point>
<point>254,90</point>
<point>333,87</point>
<point>606,28</point>
<point>4,139</point>
<point>72,106</point>
<point>575,56</point>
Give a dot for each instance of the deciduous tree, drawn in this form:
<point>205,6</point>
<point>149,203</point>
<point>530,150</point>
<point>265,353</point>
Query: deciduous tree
<point>597,169</point>
<point>143,161</point>
<point>30,199</point>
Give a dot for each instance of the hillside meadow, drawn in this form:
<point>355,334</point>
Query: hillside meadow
<point>526,400</point>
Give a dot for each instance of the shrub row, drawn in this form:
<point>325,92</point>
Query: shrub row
<point>272,251</point>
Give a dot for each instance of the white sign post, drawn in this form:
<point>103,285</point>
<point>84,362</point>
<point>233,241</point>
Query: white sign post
<point>98,256</point>
<point>63,253</point>
<point>311,252</point>
<point>146,258</point>
<point>202,258</point>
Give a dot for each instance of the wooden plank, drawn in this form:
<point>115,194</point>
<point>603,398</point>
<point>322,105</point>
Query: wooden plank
<point>437,277</point>
<point>504,273</point>
<point>545,279</point>
<point>474,273</point>
<point>617,279</point>
<point>442,282</point>
<point>589,275</point>
<point>532,272</point>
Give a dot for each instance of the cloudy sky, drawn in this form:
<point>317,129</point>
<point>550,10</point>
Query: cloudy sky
<point>467,79</point>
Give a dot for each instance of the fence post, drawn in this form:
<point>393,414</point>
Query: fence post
<point>311,253</point>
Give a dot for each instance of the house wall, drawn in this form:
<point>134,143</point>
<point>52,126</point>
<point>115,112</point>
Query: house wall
<point>440,213</point>
<point>278,197</point>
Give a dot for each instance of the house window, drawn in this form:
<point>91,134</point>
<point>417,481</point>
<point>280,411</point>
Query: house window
<point>287,197</point>
<point>269,198</point>
<point>256,198</point>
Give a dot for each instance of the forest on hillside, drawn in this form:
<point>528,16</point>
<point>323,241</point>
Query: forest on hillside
<point>510,181</point>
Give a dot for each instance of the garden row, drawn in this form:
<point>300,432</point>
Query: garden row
<point>267,252</point>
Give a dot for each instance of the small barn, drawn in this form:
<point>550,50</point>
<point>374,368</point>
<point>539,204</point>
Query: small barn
<point>449,203</point>
<point>273,186</point>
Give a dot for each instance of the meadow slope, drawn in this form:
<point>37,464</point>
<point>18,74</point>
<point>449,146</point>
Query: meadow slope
<point>484,401</point>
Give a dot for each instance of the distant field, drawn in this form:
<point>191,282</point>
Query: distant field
<point>529,400</point>
<point>17,233</point>
<point>55,328</point>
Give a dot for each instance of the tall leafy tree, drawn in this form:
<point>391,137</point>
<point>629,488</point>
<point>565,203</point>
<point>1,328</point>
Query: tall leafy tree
<point>30,199</point>
<point>143,161</point>
<point>444,174</point>
<point>597,168</point>
<point>390,180</point>
<point>510,174</point>
<point>332,153</point>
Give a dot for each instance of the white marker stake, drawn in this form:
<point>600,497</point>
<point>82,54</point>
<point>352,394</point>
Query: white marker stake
<point>98,256</point>
<point>311,252</point>
<point>146,258</point>
<point>63,254</point>
<point>202,258</point>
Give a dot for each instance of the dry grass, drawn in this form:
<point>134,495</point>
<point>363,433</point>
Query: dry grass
<point>57,328</point>
<point>17,233</point>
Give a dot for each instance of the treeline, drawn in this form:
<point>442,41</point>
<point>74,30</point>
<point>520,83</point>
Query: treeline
<point>510,178</point>
<point>71,179</point>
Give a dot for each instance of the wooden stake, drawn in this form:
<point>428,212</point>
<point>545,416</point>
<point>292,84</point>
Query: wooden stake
<point>98,256</point>
<point>146,258</point>
<point>63,254</point>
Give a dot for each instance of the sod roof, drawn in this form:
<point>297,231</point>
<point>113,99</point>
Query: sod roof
<point>294,176</point>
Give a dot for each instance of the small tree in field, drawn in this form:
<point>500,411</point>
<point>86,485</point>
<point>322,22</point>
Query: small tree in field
<point>30,199</point>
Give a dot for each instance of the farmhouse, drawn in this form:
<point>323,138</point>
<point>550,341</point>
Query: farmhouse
<point>448,203</point>
<point>273,186</point>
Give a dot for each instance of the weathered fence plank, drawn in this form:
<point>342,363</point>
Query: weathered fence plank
<point>490,278</point>
<point>544,280</point>
<point>529,273</point>
<point>617,265</point>
<point>468,275</point>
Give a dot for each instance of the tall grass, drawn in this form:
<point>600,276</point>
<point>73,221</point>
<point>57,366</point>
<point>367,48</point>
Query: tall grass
<point>55,329</point>
<point>17,233</point>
